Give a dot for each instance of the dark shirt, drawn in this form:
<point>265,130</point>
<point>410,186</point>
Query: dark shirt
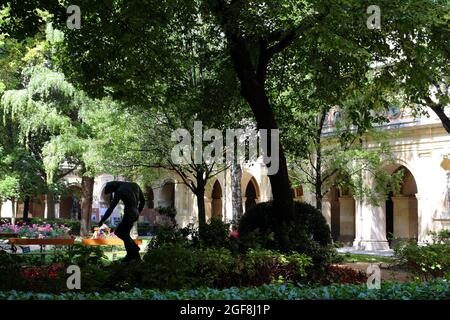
<point>131,195</point>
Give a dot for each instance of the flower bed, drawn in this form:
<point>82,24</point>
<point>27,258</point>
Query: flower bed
<point>41,242</point>
<point>34,231</point>
<point>105,237</point>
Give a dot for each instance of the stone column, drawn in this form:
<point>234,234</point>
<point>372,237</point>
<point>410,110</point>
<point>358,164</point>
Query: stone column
<point>208,209</point>
<point>347,219</point>
<point>371,227</point>
<point>244,198</point>
<point>405,209</point>
<point>57,208</point>
<point>217,204</point>
<point>424,218</point>
<point>326,210</point>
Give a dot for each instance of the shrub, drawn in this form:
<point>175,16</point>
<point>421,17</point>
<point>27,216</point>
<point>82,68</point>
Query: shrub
<point>169,212</point>
<point>426,262</point>
<point>436,290</point>
<point>266,266</point>
<point>441,236</point>
<point>307,232</point>
<point>177,266</point>
<point>173,235</point>
<point>81,256</point>
<point>339,274</point>
<point>215,234</point>
<point>9,270</point>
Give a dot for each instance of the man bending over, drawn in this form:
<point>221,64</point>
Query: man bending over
<point>132,197</point>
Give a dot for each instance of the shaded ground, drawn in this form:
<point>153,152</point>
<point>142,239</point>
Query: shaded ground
<point>389,272</point>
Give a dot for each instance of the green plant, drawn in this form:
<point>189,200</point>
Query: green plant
<point>9,270</point>
<point>307,232</point>
<point>168,211</point>
<point>427,261</point>
<point>173,235</point>
<point>266,266</point>
<point>215,234</point>
<point>435,290</point>
<point>334,274</point>
<point>441,236</point>
<point>171,266</point>
<point>82,256</point>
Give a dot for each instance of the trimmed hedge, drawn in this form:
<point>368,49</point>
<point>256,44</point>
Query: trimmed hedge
<point>436,290</point>
<point>307,232</point>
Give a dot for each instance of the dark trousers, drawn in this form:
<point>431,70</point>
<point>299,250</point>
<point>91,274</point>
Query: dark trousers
<point>123,232</point>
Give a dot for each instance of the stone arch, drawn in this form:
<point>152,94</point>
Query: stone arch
<point>216,200</point>
<point>402,221</point>
<point>298,193</point>
<point>252,194</point>
<point>334,196</point>
<point>150,197</point>
<point>167,194</point>
<point>396,164</point>
<point>70,203</point>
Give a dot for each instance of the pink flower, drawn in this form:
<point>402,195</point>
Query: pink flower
<point>234,234</point>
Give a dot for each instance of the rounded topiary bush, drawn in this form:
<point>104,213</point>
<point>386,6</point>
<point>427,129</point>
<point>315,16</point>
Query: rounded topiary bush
<point>306,232</point>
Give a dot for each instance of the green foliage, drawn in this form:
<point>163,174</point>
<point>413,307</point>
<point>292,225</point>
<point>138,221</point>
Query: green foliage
<point>307,233</point>
<point>265,266</point>
<point>82,256</point>
<point>435,290</point>
<point>425,262</point>
<point>334,274</point>
<point>215,234</point>
<point>441,236</point>
<point>178,266</point>
<point>9,271</point>
<point>171,235</point>
<point>168,211</point>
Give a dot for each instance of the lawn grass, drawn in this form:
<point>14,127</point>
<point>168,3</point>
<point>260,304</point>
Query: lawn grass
<point>354,257</point>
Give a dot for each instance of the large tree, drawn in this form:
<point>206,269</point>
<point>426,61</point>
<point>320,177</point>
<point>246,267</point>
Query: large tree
<point>125,49</point>
<point>48,110</point>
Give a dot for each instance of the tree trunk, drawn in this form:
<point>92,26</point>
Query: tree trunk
<point>253,91</point>
<point>14,211</point>
<point>26,208</point>
<point>318,146</point>
<point>87,189</point>
<point>439,110</point>
<point>50,202</point>
<point>236,192</point>
<point>200,193</point>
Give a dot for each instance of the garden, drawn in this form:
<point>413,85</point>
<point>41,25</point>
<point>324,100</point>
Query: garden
<point>241,140</point>
<point>249,264</point>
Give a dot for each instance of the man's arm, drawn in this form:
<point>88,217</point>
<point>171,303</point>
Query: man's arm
<point>141,201</point>
<point>108,212</point>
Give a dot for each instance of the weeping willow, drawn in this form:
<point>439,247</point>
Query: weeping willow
<point>47,104</point>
